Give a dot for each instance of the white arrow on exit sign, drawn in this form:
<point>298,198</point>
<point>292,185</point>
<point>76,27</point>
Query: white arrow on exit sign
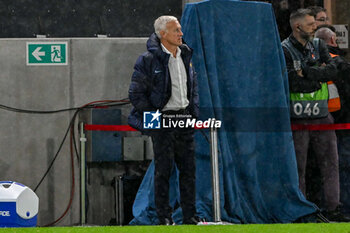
<point>37,53</point>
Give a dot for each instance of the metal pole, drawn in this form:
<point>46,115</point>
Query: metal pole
<point>215,173</point>
<point>82,175</point>
<point>121,200</point>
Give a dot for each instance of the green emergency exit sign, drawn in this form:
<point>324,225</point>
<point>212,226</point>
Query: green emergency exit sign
<point>47,53</point>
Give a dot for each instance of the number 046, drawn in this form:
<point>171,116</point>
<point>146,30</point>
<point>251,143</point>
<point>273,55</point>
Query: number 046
<point>298,109</point>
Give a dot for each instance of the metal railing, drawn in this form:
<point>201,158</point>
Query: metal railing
<point>214,155</point>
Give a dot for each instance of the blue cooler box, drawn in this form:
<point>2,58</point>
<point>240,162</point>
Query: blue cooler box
<point>18,205</point>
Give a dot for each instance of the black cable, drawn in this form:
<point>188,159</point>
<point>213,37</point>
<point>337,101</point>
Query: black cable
<point>72,181</point>
<point>75,146</point>
<point>74,139</point>
<point>70,124</point>
<point>58,151</point>
<point>107,103</point>
<point>71,128</point>
<point>35,111</point>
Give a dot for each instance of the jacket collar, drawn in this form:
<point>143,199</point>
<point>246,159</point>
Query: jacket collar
<point>154,47</point>
<point>299,46</point>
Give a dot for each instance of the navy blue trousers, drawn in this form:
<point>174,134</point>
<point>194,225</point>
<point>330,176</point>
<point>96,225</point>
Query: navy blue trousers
<point>174,146</point>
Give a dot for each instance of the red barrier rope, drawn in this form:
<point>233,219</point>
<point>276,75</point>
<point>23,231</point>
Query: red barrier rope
<point>109,128</point>
<point>294,127</point>
<point>321,127</point>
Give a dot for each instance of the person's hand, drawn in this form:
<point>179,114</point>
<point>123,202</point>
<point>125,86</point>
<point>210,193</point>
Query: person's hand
<point>300,73</point>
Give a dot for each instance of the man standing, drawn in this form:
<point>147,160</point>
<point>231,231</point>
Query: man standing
<point>342,80</point>
<point>309,68</point>
<point>164,80</point>
<point>329,36</point>
<point>343,115</point>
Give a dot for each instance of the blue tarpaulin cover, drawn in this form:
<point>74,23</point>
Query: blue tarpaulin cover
<point>243,82</point>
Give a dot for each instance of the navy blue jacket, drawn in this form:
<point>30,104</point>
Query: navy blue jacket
<point>150,88</point>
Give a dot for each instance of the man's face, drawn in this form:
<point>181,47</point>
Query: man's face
<point>307,27</point>
<point>321,18</point>
<point>173,34</point>
<point>334,39</point>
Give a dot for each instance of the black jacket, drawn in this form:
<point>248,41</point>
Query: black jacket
<point>342,82</point>
<point>150,87</point>
<point>313,72</point>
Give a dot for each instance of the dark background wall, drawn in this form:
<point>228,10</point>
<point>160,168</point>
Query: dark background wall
<point>283,9</point>
<point>82,18</point>
<point>113,18</point>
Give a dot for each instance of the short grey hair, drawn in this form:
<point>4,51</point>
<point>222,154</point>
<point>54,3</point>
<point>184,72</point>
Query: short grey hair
<point>324,34</point>
<point>299,14</point>
<point>160,23</point>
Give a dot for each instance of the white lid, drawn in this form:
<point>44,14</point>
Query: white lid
<point>9,190</point>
